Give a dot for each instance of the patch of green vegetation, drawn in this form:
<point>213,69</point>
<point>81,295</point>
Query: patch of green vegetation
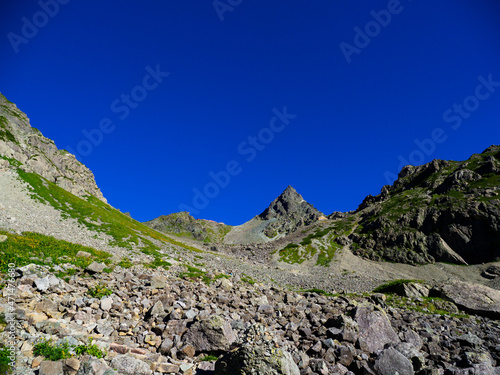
<point>247,279</point>
<point>90,349</point>
<point>13,162</point>
<point>67,273</point>
<point>5,133</point>
<point>52,352</point>
<point>424,305</point>
<point>195,273</point>
<point>297,255</point>
<point>325,255</point>
<point>99,291</point>
<point>209,358</point>
<point>5,361</point>
<point>158,262</point>
<point>47,349</point>
<point>391,286</point>
<point>98,216</point>
<point>125,263</point>
<point>20,249</point>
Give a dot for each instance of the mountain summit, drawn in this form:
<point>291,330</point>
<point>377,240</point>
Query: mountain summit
<point>284,215</point>
<point>291,205</point>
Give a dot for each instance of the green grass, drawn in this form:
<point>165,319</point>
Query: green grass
<point>125,263</point>
<point>247,279</point>
<point>99,291</point>
<point>20,249</point>
<point>5,361</point>
<point>209,358</point>
<point>5,133</point>
<point>98,216</point>
<point>52,352</point>
<point>90,349</point>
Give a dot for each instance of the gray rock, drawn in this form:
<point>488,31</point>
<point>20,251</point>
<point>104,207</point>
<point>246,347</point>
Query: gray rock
<point>130,365</point>
<point>92,366</point>
<point>42,284</point>
<point>472,298</point>
<point>391,362</point>
<point>51,368</point>
<point>83,254</point>
<point>158,283</point>
<point>156,309</point>
<point>375,329</point>
<point>213,334</point>
<point>3,238</point>
<point>266,309</point>
<point>95,267</point>
<point>251,359</point>
<point>412,290</point>
<point>106,304</point>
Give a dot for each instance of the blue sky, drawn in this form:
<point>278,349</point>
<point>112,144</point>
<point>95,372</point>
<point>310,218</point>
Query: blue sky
<point>216,108</point>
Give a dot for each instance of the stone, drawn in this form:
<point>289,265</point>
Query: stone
<point>412,290</point>
<point>42,284</point>
<point>71,366</point>
<point>51,368</point>
<point>106,304</point>
<point>37,361</point>
<point>92,366</point>
<point>3,237</point>
<point>391,362</point>
<point>473,298</point>
<point>266,309</point>
<point>95,267</point>
<point>83,254</point>
<point>375,330</point>
<point>130,365</point>
<point>156,309</point>
<point>253,359</point>
<point>213,334</point>
<point>167,368</point>
<point>158,283</point>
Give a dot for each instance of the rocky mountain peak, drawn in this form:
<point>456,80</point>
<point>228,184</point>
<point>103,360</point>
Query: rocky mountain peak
<point>290,204</point>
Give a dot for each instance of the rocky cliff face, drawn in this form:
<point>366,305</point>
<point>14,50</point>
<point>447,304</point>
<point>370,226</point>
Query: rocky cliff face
<point>27,148</point>
<point>440,211</point>
<point>288,212</point>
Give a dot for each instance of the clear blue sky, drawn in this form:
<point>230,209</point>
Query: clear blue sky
<point>417,73</point>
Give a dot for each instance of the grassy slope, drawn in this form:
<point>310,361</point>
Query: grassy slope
<point>90,213</point>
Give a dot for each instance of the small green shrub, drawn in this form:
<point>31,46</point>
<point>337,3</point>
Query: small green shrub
<point>5,361</point>
<point>90,349</point>
<point>52,352</point>
<point>99,291</point>
<point>125,263</point>
<point>209,358</point>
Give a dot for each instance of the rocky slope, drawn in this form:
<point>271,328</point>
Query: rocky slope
<point>152,321</point>
<point>182,224</point>
<point>21,143</point>
<point>285,215</point>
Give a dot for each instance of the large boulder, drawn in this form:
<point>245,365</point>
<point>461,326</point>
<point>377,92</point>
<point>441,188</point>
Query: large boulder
<point>211,335</point>
<point>130,365</point>
<point>392,362</point>
<point>375,330</point>
<point>472,298</point>
<point>253,359</point>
